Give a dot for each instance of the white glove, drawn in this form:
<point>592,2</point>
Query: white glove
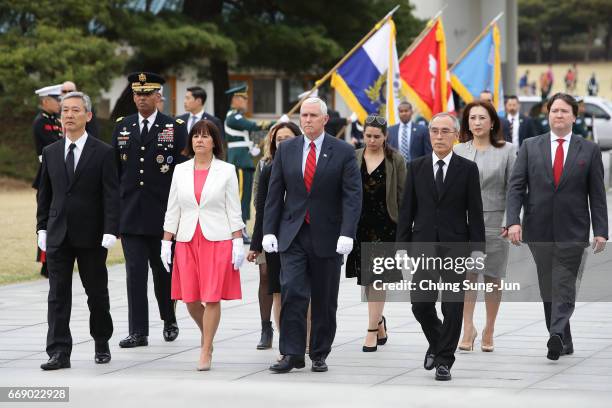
<point>353,117</point>
<point>40,158</point>
<point>255,150</point>
<point>237,252</point>
<point>42,240</point>
<point>345,245</point>
<point>108,240</point>
<point>166,254</point>
<point>269,243</point>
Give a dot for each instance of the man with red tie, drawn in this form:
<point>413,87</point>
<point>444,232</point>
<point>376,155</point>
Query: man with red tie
<point>313,206</point>
<point>558,179</point>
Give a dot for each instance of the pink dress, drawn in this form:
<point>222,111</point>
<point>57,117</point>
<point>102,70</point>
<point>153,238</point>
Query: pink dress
<point>203,270</point>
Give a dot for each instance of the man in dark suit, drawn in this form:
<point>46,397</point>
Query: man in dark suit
<point>521,126</point>
<point>195,99</point>
<point>407,137</point>
<point>557,178</point>
<point>441,205</point>
<point>77,218</point>
<point>487,96</point>
<point>147,147</point>
<point>313,206</point>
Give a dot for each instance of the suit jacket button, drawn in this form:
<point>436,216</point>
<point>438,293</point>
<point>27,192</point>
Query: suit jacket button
<point>141,171</point>
<point>142,183</point>
<point>142,147</point>
<point>142,159</point>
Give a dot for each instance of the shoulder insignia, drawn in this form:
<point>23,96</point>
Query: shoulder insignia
<point>119,119</point>
<point>180,121</point>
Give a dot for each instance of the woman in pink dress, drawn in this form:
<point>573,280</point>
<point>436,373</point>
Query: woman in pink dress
<point>205,219</point>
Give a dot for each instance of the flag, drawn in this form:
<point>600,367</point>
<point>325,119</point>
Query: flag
<point>368,80</point>
<point>424,73</point>
<point>480,69</point>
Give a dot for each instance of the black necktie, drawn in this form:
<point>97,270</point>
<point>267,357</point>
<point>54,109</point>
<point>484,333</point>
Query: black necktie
<point>440,177</point>
<point>70,162</point>
<point>145,130</point>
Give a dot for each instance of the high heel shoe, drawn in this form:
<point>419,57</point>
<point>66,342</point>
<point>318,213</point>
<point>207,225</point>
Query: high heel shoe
<point>485,347</point>
<point>205,367</point>
<point>469,346</point>
<point>369,349</point>
<point>381,341</point>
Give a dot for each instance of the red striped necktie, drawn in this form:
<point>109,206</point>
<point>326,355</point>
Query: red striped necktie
<point>309,171</point>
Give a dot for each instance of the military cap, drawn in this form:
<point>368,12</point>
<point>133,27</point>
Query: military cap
<point>145,81</point>
<point>52,90</point>
<point>240,90</point>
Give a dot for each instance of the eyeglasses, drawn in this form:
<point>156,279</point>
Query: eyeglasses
<point>374,119</point>
<point>443,131</point>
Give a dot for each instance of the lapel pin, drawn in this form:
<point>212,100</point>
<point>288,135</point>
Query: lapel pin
<point>324,154</point>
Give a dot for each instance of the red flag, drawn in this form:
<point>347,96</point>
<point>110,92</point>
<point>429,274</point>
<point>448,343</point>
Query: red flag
<point>424,73</point>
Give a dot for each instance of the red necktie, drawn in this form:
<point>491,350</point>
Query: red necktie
<point>309,171</point>
<point>558,163</point>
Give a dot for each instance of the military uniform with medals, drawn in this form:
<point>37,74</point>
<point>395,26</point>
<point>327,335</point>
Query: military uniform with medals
<point>146,158</point>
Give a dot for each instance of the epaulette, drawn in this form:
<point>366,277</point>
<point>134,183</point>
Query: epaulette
<point>180,121</point>
<point>119,119</point>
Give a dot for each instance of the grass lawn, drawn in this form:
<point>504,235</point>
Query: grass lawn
<point>18,238</point>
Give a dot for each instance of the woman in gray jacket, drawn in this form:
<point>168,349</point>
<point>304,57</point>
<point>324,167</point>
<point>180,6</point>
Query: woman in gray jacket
<point>482,141</point>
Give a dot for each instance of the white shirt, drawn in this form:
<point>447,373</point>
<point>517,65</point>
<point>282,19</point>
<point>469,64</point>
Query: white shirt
<point>408,126</point>
<point>446,160</point>
<point>80,144</point>
<point>554,144</point>
<point>515,122</point>
<point>150,120</point>
<point>306,149</point>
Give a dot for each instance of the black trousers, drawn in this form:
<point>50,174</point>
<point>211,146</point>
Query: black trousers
<point>305,278</point>
<point>94,276</point>
<point>140,251</point>
<point>442,335</point>
<point>558,267</point>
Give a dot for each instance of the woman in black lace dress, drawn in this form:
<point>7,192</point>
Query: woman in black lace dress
<point>383,172</point>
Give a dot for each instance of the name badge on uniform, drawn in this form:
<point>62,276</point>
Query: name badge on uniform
<point>165,168</point>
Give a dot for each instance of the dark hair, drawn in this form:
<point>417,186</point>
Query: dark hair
<point>567,98</point>
<point>512,97</point>
<point>207,127</point>
<point>495,136</point>
<point>289,125</point>
<point>198,93</point>
<point>405,103</point>
<point>386,148</point>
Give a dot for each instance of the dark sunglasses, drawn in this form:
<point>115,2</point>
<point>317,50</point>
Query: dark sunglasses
<point>376,120</point>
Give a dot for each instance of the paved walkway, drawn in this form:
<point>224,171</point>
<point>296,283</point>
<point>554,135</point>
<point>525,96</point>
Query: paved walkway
<point>164,373</point>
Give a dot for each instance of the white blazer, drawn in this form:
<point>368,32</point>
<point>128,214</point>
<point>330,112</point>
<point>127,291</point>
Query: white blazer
<point>218,213</point>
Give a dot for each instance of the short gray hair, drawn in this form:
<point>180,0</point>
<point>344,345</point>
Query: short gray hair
<point>446,115</point>
<point>320,101</point>
<point>82,96</point>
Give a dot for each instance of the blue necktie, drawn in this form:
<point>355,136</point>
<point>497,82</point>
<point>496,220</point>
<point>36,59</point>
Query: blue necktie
<point>405,145</point>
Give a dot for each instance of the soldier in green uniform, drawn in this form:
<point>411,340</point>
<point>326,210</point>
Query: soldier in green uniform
<point>240,147</point>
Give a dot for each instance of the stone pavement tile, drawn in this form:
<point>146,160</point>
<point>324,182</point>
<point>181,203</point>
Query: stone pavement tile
<point>305,375</point>
<point>579,382</point>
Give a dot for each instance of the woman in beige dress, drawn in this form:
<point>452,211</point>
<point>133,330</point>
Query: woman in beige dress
<point>482,141</point>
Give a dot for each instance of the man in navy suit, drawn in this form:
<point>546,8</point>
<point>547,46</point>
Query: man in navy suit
<point>313,206</point>
<point>195,98</point>
<point>521,126</point>
<point>409,138</point>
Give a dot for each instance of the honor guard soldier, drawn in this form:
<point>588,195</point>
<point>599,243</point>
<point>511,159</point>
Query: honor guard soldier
<point>47,129</point>
<point>240,147</point>
<point>147,145</point>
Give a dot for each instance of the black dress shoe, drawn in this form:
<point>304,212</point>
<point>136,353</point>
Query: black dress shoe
<point>319,365</point>
<point>287,363</point>
<point>555,347</point>
<point>428,364</point>
<point>134,340</point>
<point>171,331</point>
<point>267,334</point>
<point>103,355</point>
<point>57,361</point>
<point>443,373</point>
<point>568,349</point>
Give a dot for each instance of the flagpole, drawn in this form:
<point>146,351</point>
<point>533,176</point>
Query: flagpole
<point>423,33</point>
<point>321,81</point>
<point>476,40</point>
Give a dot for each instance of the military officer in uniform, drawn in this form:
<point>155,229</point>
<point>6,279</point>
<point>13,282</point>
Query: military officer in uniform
<point>148,145</point>
<point>580,125</point>
<point>240,147</point>
<point>47,129</point>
